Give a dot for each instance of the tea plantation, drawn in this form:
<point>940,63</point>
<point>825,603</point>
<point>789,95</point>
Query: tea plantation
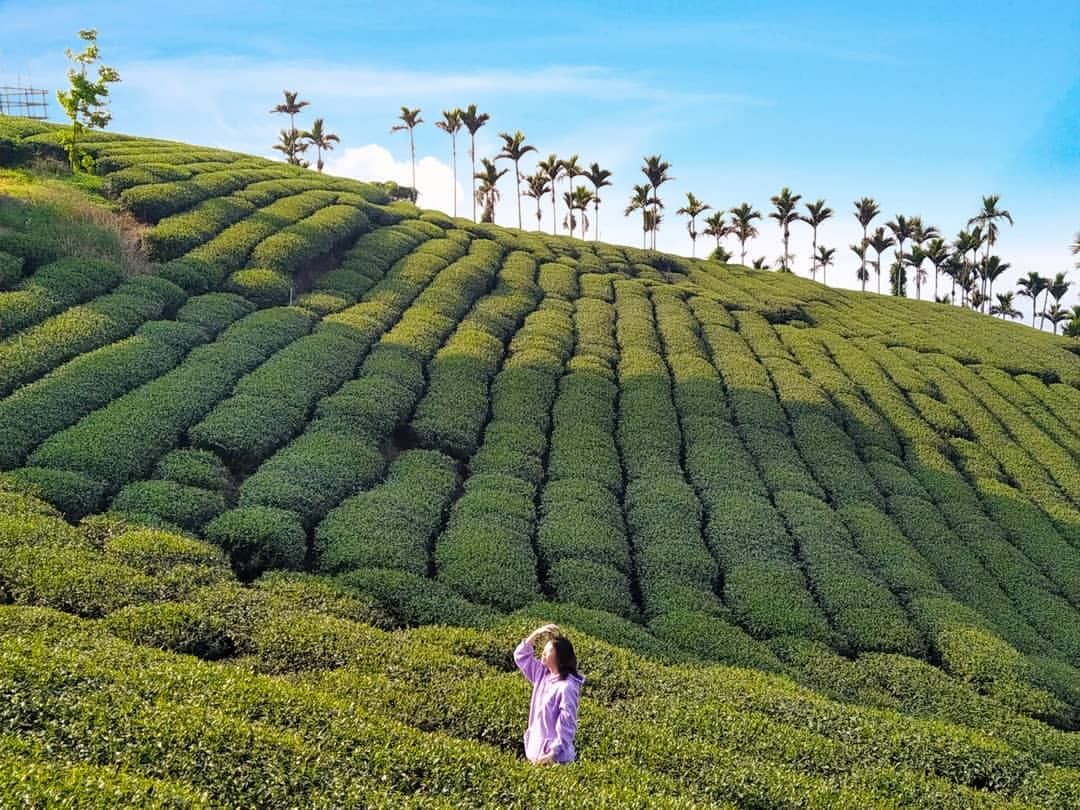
<point>281,490</point>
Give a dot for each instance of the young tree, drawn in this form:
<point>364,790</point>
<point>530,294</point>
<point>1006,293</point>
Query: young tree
<point>1005,306</point>
<point>599,179</point>
<point>716,225</point>
<point>862,274</point>
<point>1057,314</point>
<point>721,254</point>
<point>536,186</point>
<point>320,139</point>
<point>816,213</point>
<point>488,192</point>
<point>641,201</point>
<point>656,172</point>
<point>902,231</point>
<point>450,124</point>
<point>824,258</point>
<point>915,261</point>
<point>86,101</point>
<point>693,209</point>
<point>785,214</point>
<point>291,143</point>
<point>473,121</point>
<point>569,169</point>
<point>577,200</point>
<point>759,263</point>
<point>515,148</point>
<point>742,225</point>
<point>410,120</point>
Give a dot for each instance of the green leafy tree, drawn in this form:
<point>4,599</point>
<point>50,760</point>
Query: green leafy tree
<point>862,274</point>
<point>987,219</point>
<point>291,143</point>
<point>599,179</point>
<point>451,125</point>
<point>86,101</point>
<point>569,169</point>
<point>641,200</point>
<point>937,251</point>
<point>1032,286</point>
<point>716,226</point>
<point>552,169</point>
<point>410,120</point>
<point>514,149</point>
<point>915,261</point>
<point>824,259</point>
<point>536,186</point>
<point>577,200</point>
<point>785,214</point>
<point>880,242</point>
<point>693,209</point>
<point>1006,307</point>
<point>721,254</point>
<point>1057,314</point>
<point>742,225</point>
<point>318,137</point>
<point>656,172</point>
<point>865,211</point>
<point>816,213</point>
<point>901,231</point>
<point>472,121</point>
<point>488,192</point>
<point>991,269</point>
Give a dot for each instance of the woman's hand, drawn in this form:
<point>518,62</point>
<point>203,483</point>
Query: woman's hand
<point>547,629</point>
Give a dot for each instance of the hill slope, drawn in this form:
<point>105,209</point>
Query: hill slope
<point>879,498</point>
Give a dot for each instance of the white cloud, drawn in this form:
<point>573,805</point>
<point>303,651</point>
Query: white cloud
<point>434,179</point>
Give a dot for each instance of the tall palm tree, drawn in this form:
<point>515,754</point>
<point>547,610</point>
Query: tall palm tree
<point>1032,286</point>
<point>915,261</point>
<point>536,186</point>
<point>862,274</point>
<point>1057,314</point>
<point>656,172</point>
<point>320,139</point>
<point>825,259</point>
<point>693,209</point>
<point>472,121</point>
<point>716,226</point>
<point>292,144</point>
<point>1005,306</point>
<point>987,219</point>
<point>865,211</point>
<point>742,225</point>
<point>488,192</point>
<point>880,242</point>
<point>451,124</point>
<point>599,178</point>
<point>578,200</point>
<point>1058,288</point>
<point>990,269</point>
<point>291,107</point>
<point>410,120</point>
<point>641,201</point>
<point>938,253</point>
<point>816,213</point>
<point>515,148</point>
<point>570,169</point>
<point>784,215</point>
<point>901,231</point>
<point>552,168</point>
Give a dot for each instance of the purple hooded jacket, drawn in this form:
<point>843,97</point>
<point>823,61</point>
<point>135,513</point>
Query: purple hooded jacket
<point>552,711</point>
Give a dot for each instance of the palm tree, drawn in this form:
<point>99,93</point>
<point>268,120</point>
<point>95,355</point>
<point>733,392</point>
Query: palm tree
<point>880,243</point>
<point>599,178</point>
<point>759,263</point>
<point>569,221</point>
<point>515,148</point>
<point>938,253</point>
<point>578,200</point>
<point>716,225</point>
<point>570,169</point>
<point>901,230</point>
<point>472,120</point>
<point>990,269</point>
<point>987,219</point>
<point>1075,247</point>
<point>641,201</point>
<point>552,169</point>
<point>536,186</point>
<point>862,274</point>
<point>742,225</point>
<point>865,211</point>
<point>693,208</point>
<point>1004,306</point>
<point>292,145</point>
<point>291,107</point>
<point>656,171</point>
<point>915,261</point>
<point>1031,286</point>
<point>410,120</point>
<point>784,215</point>
<point>320,140</point>
<point>488,193</point>
<point>1058,288</point>
<point>824,257</point>
<point>1057,314</point>
<point>450,124</point>
<point>816,213</point>
<point>1072,328</point>
<point>721,254</point>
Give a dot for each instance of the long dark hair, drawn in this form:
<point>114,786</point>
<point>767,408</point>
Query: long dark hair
<point>564,655</point>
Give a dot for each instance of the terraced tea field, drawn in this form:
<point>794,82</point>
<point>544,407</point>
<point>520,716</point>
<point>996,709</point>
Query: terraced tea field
<point>818,548</point>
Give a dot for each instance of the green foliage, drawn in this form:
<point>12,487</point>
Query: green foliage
<point>86,100</point>
<point>193,468</point>
<point>188,507</point>
<point>52,288</point>
<point>258,538</point>
<point>175,627</point>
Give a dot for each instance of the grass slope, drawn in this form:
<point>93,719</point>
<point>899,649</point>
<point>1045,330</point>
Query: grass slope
<point>870,505</point>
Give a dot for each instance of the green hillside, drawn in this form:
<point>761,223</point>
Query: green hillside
<point>265,434</point>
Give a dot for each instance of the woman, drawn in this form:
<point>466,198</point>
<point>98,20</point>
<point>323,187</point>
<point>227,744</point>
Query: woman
<point>556,690</point>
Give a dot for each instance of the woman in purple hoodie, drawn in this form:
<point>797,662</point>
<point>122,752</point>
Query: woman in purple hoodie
<point>556,690</point>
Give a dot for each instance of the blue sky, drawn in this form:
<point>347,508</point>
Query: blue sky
<point>924,106</point>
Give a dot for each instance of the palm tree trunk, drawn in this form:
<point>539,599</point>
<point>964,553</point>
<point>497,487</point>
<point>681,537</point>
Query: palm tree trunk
<point>596,219</point>
<point>453,161</point>
<point>877,270</point>
<point>742,254</point>
<point>517,191</point>
<point>813,259</point>
<point>412,149</point>
<point>472,156</point>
